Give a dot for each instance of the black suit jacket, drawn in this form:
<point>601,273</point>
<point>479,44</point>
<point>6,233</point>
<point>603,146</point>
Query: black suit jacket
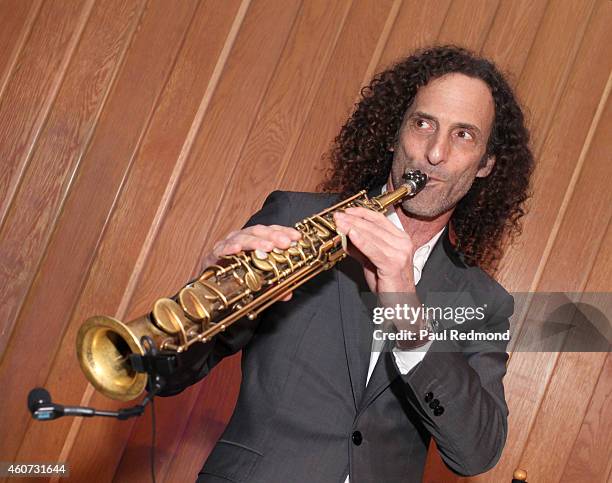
<point>304,413</point>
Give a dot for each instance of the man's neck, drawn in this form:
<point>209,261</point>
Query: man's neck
<point>420,230</point>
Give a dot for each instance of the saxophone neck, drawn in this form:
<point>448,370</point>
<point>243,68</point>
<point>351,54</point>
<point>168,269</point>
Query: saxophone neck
<point>391,198</point>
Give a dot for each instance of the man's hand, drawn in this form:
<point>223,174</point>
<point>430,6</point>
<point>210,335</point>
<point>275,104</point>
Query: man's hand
<point>256,237</point>
<point>385,251</point>
<point>386,254</point>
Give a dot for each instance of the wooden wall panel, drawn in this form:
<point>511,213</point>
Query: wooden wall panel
<point>590,459</point>
<point>36,205</point>
<point>563,27</point>
<point>17,20</point>
<point>466,25</point>
<point>590,454</point>
<point>27,99</point>
<point>557,153</point>
<point>417,25</point>
<point>77,234</point>
<point>569,375</point>
<point>339,86</point>
<point>512,34</point>
<point>280,120</point>
<point>559,163</point>
<point>66,134</point>
<point>33,85</point>
<point>123,164</point>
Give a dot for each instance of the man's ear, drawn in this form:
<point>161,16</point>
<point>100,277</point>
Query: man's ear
<point>485,168</point>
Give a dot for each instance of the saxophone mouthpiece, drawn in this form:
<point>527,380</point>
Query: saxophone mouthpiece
<point>415,180</point>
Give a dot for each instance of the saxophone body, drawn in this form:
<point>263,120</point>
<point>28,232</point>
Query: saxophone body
<point>240,285</point>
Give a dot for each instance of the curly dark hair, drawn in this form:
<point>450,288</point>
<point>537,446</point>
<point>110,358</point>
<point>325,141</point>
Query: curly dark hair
<point>489,214</point>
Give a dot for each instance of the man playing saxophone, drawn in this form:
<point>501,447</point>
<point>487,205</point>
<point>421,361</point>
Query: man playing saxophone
<point>321,400</point>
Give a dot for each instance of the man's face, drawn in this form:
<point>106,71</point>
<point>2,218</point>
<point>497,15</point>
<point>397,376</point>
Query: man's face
<point>444,134</point>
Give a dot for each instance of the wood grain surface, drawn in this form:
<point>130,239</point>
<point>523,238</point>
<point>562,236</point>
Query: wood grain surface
<point>134,134</point>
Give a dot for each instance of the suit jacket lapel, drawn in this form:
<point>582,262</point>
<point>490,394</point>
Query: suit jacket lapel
<point>356,324</point>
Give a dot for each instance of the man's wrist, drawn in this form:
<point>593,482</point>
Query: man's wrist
<point>420,337</point>
<point>402,293</point>
<point>403,282</point>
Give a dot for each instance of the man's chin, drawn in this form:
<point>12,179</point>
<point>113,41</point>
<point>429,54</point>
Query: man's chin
<point>423,213</point>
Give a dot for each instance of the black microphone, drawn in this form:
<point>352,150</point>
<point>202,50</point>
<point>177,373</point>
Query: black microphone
<point>41,407</point>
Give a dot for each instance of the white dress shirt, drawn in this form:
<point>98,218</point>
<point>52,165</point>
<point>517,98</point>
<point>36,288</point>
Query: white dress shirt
<point>404,359</point>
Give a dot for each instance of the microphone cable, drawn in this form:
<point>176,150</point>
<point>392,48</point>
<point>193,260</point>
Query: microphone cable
<point>153,440</point>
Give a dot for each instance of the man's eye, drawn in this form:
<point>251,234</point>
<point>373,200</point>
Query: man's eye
<point>421,123</point>
<point>465,135</point>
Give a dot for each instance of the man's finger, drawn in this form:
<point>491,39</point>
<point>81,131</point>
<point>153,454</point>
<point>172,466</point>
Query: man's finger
<point>244,241</point>
<point>284,234</point>
<point>376,228</point>
<point>379,219</point>
<point>287,230</point>
<point>346,223</point>
<point>371,248</point>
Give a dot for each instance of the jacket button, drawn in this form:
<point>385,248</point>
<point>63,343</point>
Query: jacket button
<point>428,396</point>
<point>438,411</point>
<point>357,438</point>
<point>434,404</point>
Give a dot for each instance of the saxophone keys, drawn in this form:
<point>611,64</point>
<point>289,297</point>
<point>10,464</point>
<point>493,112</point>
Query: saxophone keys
<point>170,317</point>
<point>279,255</point>
<point>294,249</point>
<point>260,261</point>
<point>253,281</point>
<point>212,271</point>
<point>196,305</point>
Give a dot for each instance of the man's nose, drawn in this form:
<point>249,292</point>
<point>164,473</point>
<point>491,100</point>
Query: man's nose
<point>437,150</point>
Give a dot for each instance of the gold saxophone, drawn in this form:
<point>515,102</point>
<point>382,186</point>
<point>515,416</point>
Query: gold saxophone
<point>241,285</point>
